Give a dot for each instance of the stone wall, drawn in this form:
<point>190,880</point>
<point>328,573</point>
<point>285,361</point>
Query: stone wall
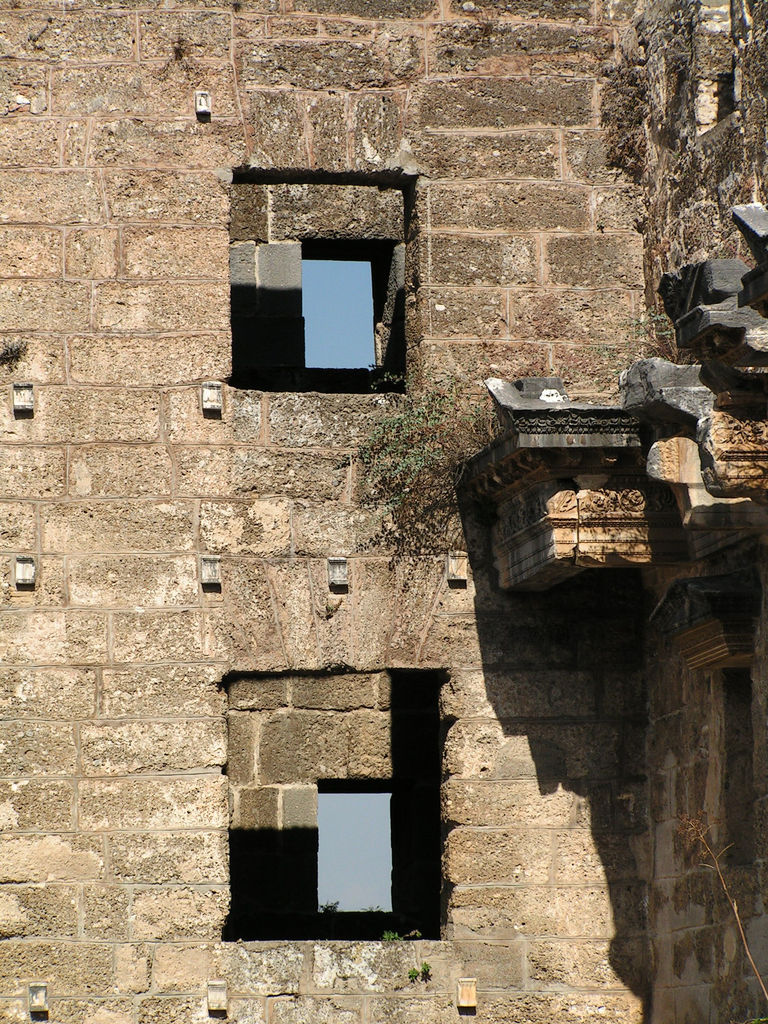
<point>115,231</point>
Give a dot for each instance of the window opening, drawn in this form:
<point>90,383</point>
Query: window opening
<point>337,305</point>
<point>354,863</point>
<point>739,790</point>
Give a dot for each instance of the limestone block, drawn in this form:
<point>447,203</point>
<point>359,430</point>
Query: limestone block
<point>386,59</point>
<point>32,306</point>
<point>332,211</point>
<point>50,858</point>
<point>133,580</point>
<point>179,913</point>
<point>542,1007</point>
<point>75,143</point>
<point>23,88</point>
<point>322,530</point>
<point>30,252</point>
<point>53,638</point>
<point>110,1011</point>
<point>587,963</point>
<point>299,806</point>
<point>161,1009</point>
<point>362,966</point>
<point>246,527</point>
<point>303,746</point>
<point>197,33</point>
<point>122,749</point>
<point>52,197</point>
<point>18,529</point>
<point>150,195</point>
<point>32,805</point>
<point>510,207</point>
<point>262,694</point>
<point>192,857</point>
<point>40,359</point>
<point>327,117</point>
<point>166,803</point>
<point>336,693</point>
<point>376,131</point>
<point>591,372</point>
<point>176,252</point>
<point>90,527</point>
<point>370,755</point>
<point>507,803</point>
<point>56,37</point>
<point>36,748</point>
<point>526,154</point>
<point>482,261</point>
<point>555,10</point>
<point>69,968</point>
<point>105,911</point>
<point>259,808</point>
<point>309,1010</point>
<point>14,1011</point>
<point>247,633</point>
<point>586,158</point>
<point>261,968</point>
<point>330,421</point>
<point>539,910</point>
<point>459,313</point>
<point>248,1011</point>
<point>453,639</point>
<point>240,422</point>
<point>161,307</point>
<point>119,471</point>
<point>513,856</point>
<point>214,471</point>
<point>185,143</point>
<point>186,690</point>
<point>154,90</point>
<point>508,48</point>
<point>470,362</point>
<point>619,208</point>
<point>279,140</point>
<point>582,858</point>
<point>38,910</point>
<point>495,965</point>
<point>158,636</point>
<point>244,732</point>
<point>369,8</point>
<point>91,253</point>
<point>132,967</point>
<point>248,213</point>
<point>590,261</point>
<point>49,584</point>
<point>502,103</point>
<point>571,315</point>
<point>73,414</point>
<point>428,1009</point>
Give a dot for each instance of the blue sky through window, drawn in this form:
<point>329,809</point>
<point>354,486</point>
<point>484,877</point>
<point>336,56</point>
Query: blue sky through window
<point>354,865</point>
<point>337,301</point>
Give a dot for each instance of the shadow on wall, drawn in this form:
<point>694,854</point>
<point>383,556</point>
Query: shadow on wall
<point>563,675</point>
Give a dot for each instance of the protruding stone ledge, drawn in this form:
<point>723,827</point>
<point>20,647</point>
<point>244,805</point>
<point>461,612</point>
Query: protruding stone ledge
<point>752,222</point>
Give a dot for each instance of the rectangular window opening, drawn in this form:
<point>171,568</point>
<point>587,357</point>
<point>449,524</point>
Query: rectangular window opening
<point>337,305</point>
<point>354,863</point>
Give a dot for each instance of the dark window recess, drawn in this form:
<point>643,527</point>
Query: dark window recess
<point>349,336</point>
<point>739,790</point>
<point>274,871</point>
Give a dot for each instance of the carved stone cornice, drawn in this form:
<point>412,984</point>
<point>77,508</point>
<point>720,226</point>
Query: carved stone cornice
<point>752,222</point>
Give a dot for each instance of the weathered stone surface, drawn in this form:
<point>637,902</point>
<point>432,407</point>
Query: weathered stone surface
<point>47,693</point>
<point>133,580</point>
<point>53,638</point>
<point>191,857</point>
<point>328,211</point>
<point>519,856</point>
<point>159,692</point>
<point>23,88</point>
<point>590,261</point>
<point>337,693</point>
<point>32,805</point>
<point>179,913</point>
<point>55,197</point>
<point>522,154</point>
<point>277,121</point>
<point>50,858</point>
<point>36,748</point>
<point>39,358</point>
<point>68,967</point>
<point>562,10</point>
<point>44,307</point>
<point>309,1010</point>
<point>330,421</point>
<point>570,315</point>
<point>127,748</point>
<point>184,34</point>
<point>38,910</point>
<point>117,526</point>
<point>30,252</point>
<point>240,422</point>
<point>160,307</point>
<point>455,313</point>
<point>130,142</point>
<point>507,803</point>
<point>150,195</point>
<point>105,911</point>
<point>508,207</point>
<point>56,37</point>
<point>148,636</point>
<point>368,8</point>
<point>194,802</point>
<point>376,131</point>
<point>176,252</point>
<point>214,470</point>
<point>482,261</point>
<point>246,527</point>
<point>502,103</point>
<point>110,1011</point>
<point>119,471</point>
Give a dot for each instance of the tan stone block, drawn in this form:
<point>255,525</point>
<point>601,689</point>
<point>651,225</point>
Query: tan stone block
<point>213,471</point>
<point>494,965</point>
<point>72,414</point>
<point>14,1011</point>
<point>89,527</point>
<point>171,690</point>
<point>502,103</point>
<point>150,195</point>
<point>304,746</point>
<point>248,209</point>
<point>182,967</point>
<point>471,362</point>
<point>377,135</point>
<point>119,471</point>
<point>366,966</point>
<point>310,1010</point>
<point>591,372</point>
<point>512,856</point>
<point>30,252</point>
<point>184,143</point>
<point>323,530</point>
<point>507,803</point>
<point>586,158</point>
<point>47,693</point>
<point>23,88</point>
<point>240,421</point>
<point>260,693</point>
<point>537,910</point>
<point>333,621</point>
<point>481,749</point>
<point>144,90</point>
<point>249,1011</point>
<point>161,307</point>
<point>49,590</point>
<point>75,143</point>
<point>549,693</point>
<point>166,803</point>
<point>370,745</point>
<point>176,252</point>
<point>185,34</point>
<point>91,253</point>
<point>52,197</point>
<point>38,910</point>
<point>427,1009</point>
<point>247,633</point>
<point>50,858</point>
<point>95,1011</point>
<point>328,421</point>
<point>56,37</point>
<point>333,211</point>
<point>36,748</point>
<point>53,638</point>
<point>133,963</point>
<point>588,964</point>
<point>179,913</point>
<point>31,805</point>
<point>28,306</point>
<point>369,8</point>
<point>39,359</point>
<point>243,731</point>
<point>570,314</point>
<point>133,580</point>
<point>18,530</point>
<point>512,49</point>
<point>31,473</point>
<point>451,640</point>
<point>67,967</point>
<point>467,313</point>
<point>158,636</point>
<point>542,1007</point>
<point>482,261</point>
<point>146,746</point>
<point>336,693</point>
<point>327,118</point>
<point>590,261</point>
<point>155,359</point>
<point>560,10</point>
<point>257,808</point>
<point>522,154</point>
<point>246,527</point>
<point>621,208</point>
<point>510,207</point>
<point>105,911</point>
<point>150,857</point>
<point>581,857</point>
<point>162,1009</point>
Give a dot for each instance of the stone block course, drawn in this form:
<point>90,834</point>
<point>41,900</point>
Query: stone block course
<point>511,207</point>
<point>111,526</point>
<point>152,803</point>
<point>132,747</point>
<point>117,581</point>
<point>33,472</point>
<point>150,858</point>
<point>501,103</point>
<point>116,470</point>
<point>52,197</point>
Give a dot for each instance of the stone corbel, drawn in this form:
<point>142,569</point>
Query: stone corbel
<point>712,619</point>
<point>752,222</point>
